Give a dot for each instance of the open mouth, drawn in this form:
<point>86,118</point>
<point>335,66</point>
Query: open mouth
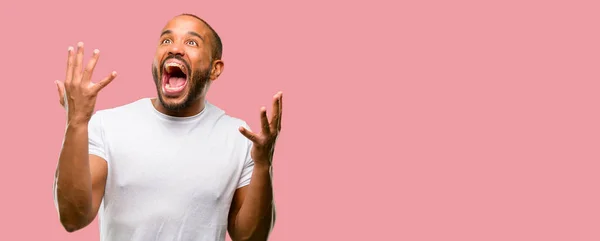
<point>174,77</point>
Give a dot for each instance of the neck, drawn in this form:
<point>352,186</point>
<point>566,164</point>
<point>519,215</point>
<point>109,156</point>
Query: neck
<point>193,109</point>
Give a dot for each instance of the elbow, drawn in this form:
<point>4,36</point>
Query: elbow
<point>259,234</point>
<point>73,224</point>
<point>74,214</point>
<point>262,237</point>
<point>257,231</point>
<point>249,238</point>
<point>70,228</point>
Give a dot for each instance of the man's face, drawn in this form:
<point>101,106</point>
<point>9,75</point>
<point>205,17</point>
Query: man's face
<point>182,65</point>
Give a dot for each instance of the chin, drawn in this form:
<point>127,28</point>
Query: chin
<point>173,102</point>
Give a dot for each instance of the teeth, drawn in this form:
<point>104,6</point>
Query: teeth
<point>174,65</point>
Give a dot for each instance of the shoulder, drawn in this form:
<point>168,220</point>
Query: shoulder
<point>125,110</point>
<point>228,124</point>
<point>232,122</point>
<point>118,114</point>
<point>223,118</point>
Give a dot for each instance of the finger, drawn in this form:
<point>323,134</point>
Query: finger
<point>248,134</point>
<point>280,111</point>
<point>103,83</point>
<point>275,115</point>
<point>89,70</point>
<point>61,92</point>
<point>264,121</point>
<point>78,64</point>
<point>70,67</point>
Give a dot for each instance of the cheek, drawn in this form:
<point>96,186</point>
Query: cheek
<point>158,56</point>
<point>199,59</point>
<point>155,63</point>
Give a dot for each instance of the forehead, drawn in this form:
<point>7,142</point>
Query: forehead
<point>185,24</point>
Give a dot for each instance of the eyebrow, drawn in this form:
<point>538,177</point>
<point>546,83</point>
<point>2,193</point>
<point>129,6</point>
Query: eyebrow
<point>190,33</point>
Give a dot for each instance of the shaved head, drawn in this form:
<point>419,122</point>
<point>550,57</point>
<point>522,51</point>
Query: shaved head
<point>217,46</point>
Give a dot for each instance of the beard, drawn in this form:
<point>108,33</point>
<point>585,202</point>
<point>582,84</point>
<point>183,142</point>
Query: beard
<point>197,81</point>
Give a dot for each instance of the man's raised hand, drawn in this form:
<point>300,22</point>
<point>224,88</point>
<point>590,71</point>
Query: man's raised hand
<point>77,93</point>
<point>264,142</point>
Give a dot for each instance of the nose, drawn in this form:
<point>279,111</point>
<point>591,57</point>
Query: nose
<point>176,49</point>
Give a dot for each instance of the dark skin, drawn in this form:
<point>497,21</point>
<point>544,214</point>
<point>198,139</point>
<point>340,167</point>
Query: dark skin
<point>81,177</point>
<point>189,40</point>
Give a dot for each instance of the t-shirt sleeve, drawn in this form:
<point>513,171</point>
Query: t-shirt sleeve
<point>248,166</point>
<point>96,144</point>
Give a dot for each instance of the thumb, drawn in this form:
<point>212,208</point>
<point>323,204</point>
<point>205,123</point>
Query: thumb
<point>61,92</point>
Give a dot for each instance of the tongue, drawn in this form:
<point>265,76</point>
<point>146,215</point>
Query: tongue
<point>176,81</point>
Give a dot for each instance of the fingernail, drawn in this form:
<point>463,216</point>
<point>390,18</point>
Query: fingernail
<point>80,44</point>
<point>114,73</point>
<point>96,51</point>
<point>70,48</point>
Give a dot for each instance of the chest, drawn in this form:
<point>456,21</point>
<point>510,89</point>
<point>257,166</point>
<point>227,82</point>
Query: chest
<point>173,166</point>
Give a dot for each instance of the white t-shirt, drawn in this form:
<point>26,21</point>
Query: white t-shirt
<point>169,178</point>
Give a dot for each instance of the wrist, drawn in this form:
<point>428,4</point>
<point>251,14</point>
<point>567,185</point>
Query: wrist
<point>78,119</point>
<point>262,166</point>
<point>77,124</point>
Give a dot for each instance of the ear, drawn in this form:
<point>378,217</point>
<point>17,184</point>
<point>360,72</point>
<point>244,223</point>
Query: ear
<point>217,69</point>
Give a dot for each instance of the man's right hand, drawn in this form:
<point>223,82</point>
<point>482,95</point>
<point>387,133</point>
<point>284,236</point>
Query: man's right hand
<point>77,93</point>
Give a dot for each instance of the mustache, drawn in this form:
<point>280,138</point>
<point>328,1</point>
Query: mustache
<point>177,57</point>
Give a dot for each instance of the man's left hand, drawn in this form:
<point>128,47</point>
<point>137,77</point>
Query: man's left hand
<point>264,142</point>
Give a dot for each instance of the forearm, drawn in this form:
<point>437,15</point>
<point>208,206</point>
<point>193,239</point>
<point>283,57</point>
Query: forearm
<point>73,178</point>
<point>255,217</point>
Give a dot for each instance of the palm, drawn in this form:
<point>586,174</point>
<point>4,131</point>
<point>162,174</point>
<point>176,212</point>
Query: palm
<point>264,141</point>
<point>77,86</point>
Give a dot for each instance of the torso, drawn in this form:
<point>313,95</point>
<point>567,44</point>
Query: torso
<point>169,179</point>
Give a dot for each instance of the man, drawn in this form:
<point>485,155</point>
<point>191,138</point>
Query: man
<point>174,167</point>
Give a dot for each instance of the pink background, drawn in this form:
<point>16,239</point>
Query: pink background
<point>412,120</point>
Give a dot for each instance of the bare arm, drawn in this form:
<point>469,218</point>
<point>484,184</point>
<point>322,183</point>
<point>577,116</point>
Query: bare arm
<point>80,180</point>
<point>252,214</point>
